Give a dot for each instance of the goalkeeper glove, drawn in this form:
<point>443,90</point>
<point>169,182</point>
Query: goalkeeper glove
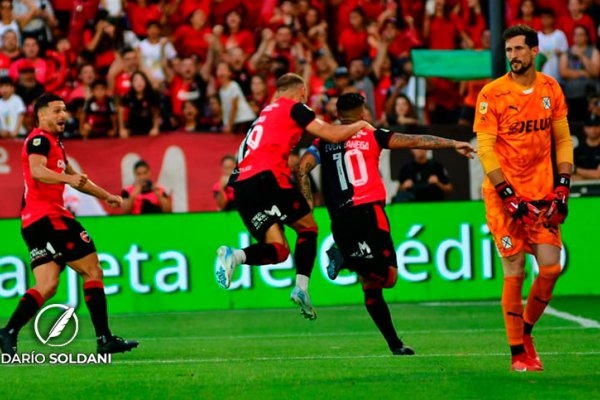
<point>557,213</point>
<point>517,208</point>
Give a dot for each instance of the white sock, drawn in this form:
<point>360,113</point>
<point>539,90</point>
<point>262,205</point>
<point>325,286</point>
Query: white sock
<point>239,256</point>
<point>302,281</point>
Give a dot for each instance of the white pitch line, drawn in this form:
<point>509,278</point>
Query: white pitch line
<point>584,322</point>
<point>460,303</point>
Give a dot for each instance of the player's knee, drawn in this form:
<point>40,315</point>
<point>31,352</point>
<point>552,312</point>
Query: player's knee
<point>392,277</point>
<point>551,272</point>
<point>282,252</point>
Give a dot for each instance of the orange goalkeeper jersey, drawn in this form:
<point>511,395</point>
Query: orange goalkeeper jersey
<point>521,119</point>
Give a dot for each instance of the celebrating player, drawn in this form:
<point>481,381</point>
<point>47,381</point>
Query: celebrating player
<point>264,194</point>
<point>53,236</point>
<point>517,117</point>
<point>355,196</point>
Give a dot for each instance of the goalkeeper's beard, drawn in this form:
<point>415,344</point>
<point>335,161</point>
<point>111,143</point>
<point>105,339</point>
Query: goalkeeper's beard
<point>522,69</point>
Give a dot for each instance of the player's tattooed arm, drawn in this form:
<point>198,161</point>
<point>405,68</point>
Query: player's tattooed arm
<point>402,141</point>
<point>307,164</point>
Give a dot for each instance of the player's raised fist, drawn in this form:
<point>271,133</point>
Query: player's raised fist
<point>78,180</point>
<point>114,201</point>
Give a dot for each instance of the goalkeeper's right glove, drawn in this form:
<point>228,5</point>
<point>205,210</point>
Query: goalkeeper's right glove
<point>517,208</point>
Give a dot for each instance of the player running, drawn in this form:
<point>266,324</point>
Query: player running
<point>355,198</point>
<point>53,236</point>
<point>517,118</point>
<point>264,194</point>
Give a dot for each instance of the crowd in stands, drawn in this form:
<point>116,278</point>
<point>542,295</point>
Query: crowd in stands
<point>142,67</point>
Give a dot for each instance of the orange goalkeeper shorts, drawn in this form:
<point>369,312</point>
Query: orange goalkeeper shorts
<point>511,236</point>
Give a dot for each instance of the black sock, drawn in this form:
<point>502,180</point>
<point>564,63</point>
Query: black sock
<point>305,252</point>
<point>95,299</point>
<point>527,328</point>
<point>29,304</point>
<point>516,350</point>
<point>380,313</point>
<point>265,253</point>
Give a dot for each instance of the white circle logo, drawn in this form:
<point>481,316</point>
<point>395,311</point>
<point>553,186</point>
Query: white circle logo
<point>59,326</point>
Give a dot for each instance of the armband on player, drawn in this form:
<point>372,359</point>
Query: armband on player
<point>516,207</point>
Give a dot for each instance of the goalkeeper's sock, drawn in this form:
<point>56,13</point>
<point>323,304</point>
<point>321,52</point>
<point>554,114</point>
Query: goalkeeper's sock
<point>266,253</point>
<point>95,299</point>
<point>541,293</point>
<point>29,304</point>
<point>380,314</point>
<point>305,251</point>
<point>512,308</point>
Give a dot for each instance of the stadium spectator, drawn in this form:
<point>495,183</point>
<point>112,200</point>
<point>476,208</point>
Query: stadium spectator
<point>358,74</point>
<point>28,87</point>
<point>193,38</point>
<point>63,10</point>
<point>222,193</point>
<point>341,83</point>
<point>352,43</point>
<point>7,20</point>
<point>402,112</point>
<point>190,119</point>
<point>12,110</point>
<point>443,28</point>
<point>99,117</point>
<point>10,45</point>
<point>121,70</point>
<point>31,56</point>
<point>319,72</point>
<point>568,22</point>
<point>553,43</point>
<point>36,19</point>
<point>137,110</point>
<point>237,114</point>
<point>104,39</point>
<point>587,152</point>
<point>286,51</point>
<point>233,34</point>
<point>594,105</point>
<point>83,87</point>
<point>156,52</point>
<point>236,58</point>
<point>213,121</point>
<point>473,21</point>
<point>144,196</point>
<point>259,94</point>
<point>527,16</point>
<point>579,69</point>
<point>139,13</point>
<point>284,15</point>
<point>189,83</point>
<point>399,37</point>
<point>382,76</point>
<point>313,29</point>
<point>423,179</point>
<point>114,8</point>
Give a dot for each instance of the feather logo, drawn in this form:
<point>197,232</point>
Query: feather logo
<point>59,326</point>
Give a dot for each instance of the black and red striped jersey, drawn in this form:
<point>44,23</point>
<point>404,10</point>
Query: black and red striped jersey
<point>350,169</point>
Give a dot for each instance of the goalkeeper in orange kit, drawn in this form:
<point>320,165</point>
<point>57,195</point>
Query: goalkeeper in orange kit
<point>518,116</point>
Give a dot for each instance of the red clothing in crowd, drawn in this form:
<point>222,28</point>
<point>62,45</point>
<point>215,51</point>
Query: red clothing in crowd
<point>122,84</point>
<point>567,24</point>
<point>443,32</point>
<point>186,8</point>
<point>381,92</point>
<point>62,5</point>
<point>4,64</point>
<point>243,39</point>
<point>535,23</point>
<point>219,9</point>
<point>139,16</point>
<point>354,43</point>
<point>39,65</point>
<point>473,23</point>
<point>189,41</point>
<point>406,40</point>
<point>372,9</point>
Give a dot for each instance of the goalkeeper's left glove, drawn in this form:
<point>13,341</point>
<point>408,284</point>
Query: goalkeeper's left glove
<point>557,213</point>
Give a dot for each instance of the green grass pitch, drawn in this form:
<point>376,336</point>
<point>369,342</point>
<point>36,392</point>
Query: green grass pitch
<point>275,354</point>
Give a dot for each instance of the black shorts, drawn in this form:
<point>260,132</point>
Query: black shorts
<point>362,233</point>
<point>62,241</point>
<point>261,202</point>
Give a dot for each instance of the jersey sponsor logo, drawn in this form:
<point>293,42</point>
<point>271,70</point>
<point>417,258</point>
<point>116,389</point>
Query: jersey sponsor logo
<point>363,251</point>
<point>60,164</point>
<point>273,212</point>
<point>483,107</point>
<point>36,141</point>
<point>531,125</point>
<point>546,103</point>
<point>506,242</point>
<point>36,254</point>
<point>85,237</point>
